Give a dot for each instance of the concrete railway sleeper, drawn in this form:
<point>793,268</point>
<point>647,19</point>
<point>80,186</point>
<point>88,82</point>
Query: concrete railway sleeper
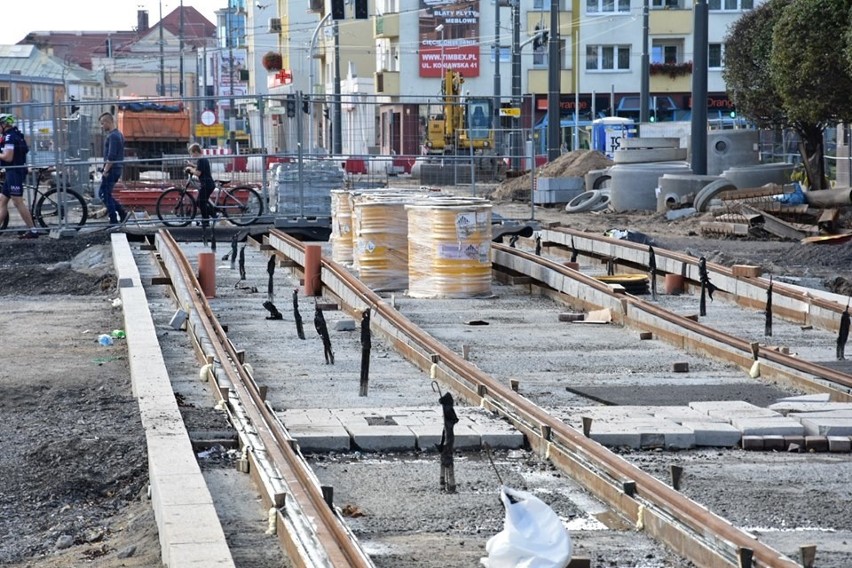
<point>683,525</point>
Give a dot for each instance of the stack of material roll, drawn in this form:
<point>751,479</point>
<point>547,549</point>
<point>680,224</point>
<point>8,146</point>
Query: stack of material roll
<point>380,230</point>
<point>449,248</point>
<point>341,226</point>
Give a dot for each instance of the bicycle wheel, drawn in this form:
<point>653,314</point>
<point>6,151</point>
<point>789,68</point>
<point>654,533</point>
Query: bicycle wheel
<point>55,208</point>
<point>175,207</point>
<point>241,205</point>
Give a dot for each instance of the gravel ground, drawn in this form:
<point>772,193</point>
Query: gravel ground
<point>74,482</point>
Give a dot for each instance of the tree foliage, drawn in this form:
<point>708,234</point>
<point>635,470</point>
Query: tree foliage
<point>786,65</point>
<point>747,70</point>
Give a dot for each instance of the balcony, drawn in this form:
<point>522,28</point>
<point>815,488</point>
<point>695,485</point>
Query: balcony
<point>671,77</point>
<point>387,82</point>
<point>670,22</point>
<point>386,26</point>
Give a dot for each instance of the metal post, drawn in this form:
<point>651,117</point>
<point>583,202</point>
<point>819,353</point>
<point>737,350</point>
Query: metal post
<point>498,132</point>
<point>162,89</point>
<point>180,49</point>
<point>311,78</point>
<point>699,91</point>
<point>644,84</point>
<point>232,122</point>
<point>337,116</point>
<point>516,84</point>
<point>554,72</point>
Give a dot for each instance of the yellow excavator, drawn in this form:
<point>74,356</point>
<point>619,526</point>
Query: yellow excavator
<point>464,123</point>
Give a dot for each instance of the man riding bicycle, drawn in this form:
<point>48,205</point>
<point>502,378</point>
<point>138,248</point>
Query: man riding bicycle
<point>14,153</point>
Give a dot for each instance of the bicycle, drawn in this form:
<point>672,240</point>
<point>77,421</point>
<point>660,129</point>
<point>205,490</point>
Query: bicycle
<point>51,208</point>
<point>241,205</point>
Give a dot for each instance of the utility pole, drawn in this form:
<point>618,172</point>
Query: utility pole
<point>180,49</point>
<point>229,40</point>
<point>162,90</point>
<point>516,84</point>
<point>554,73</point>
<point>699,91</point>
<point>644,83</point>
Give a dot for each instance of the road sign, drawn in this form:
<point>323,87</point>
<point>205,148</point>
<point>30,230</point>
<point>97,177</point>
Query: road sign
<point>510,112</point>
<point>208,118</point>
<point>214,131</point>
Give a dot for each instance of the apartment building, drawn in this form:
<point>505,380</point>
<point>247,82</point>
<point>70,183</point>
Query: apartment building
<point>601,45</point>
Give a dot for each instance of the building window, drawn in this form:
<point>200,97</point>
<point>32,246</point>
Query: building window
<point>607,57</point>
<point>730,5</point>
<point>545,5</point>
<point>608,6</point>
<point>541,54</point>
<point>663,4</point>
<point>666,51</point>
<point>715,55</point>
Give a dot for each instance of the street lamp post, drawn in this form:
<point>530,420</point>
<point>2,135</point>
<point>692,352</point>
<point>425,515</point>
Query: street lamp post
<point>440,29</point>
<point>311,75</point>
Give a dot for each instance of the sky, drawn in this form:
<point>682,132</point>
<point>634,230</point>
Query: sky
<point>92,15</point>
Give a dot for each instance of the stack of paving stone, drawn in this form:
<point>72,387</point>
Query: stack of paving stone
<point>808,423</point>
<point>313,198</point>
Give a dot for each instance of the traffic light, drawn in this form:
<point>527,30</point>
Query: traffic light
<point>733,114</point>
<point>361,9</point>
<point>291,106</point>
<point>74,108</point>
<point>306,106</point>
<point>325,112</point>
<point>337,9</point>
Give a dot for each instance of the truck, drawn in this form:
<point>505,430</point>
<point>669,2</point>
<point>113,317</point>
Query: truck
<point>463,124</point>
<point>153,128</point>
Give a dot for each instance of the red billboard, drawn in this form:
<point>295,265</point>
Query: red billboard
<point>449,37</point>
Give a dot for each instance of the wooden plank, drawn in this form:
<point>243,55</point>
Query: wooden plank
<point>828,220</point>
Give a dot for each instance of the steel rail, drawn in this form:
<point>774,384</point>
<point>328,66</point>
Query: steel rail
<point>840,383</point>
<point>340,549</point>
<point>788,302</point>
<point>685,526</point>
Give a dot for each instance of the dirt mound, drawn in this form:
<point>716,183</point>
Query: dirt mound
<point>573,164</point>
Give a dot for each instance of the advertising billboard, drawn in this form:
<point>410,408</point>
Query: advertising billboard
<point>449,37</point>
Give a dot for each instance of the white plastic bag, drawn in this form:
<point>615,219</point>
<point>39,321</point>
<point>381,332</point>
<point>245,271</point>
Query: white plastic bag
<point>532,535</point>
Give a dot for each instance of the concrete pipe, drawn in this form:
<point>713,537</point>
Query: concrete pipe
<point>597,179</point>
<point>829,197</point>
<point>676,189</point>
<point>758,175</point>
<point>634,186</point>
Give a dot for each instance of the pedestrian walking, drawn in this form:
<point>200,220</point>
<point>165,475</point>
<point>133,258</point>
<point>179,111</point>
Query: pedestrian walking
<point>14,153</point>
<point>113,166</point>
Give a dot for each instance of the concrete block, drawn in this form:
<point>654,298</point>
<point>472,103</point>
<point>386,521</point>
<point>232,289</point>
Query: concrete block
<point>200,555</point>
<point>182,525</point>
<point>344,325</point>
<point>839,444</point>
<point>729,409</point>
<point>774,444</point>
<point>714,434</point>
<point>428,436</point>
<point>794,443</point>
<point>817,426</point>
<point>768,426</point>
<point>321,438</point>
<point>752,443</point>
<point>381,438</point>
<point>816,443</point>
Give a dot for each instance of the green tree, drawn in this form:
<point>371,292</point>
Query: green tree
<point>811,74</point>
<point>786,66</point>
<point>747,71</point>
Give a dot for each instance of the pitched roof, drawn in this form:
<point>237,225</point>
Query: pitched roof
<point>80,47</point>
